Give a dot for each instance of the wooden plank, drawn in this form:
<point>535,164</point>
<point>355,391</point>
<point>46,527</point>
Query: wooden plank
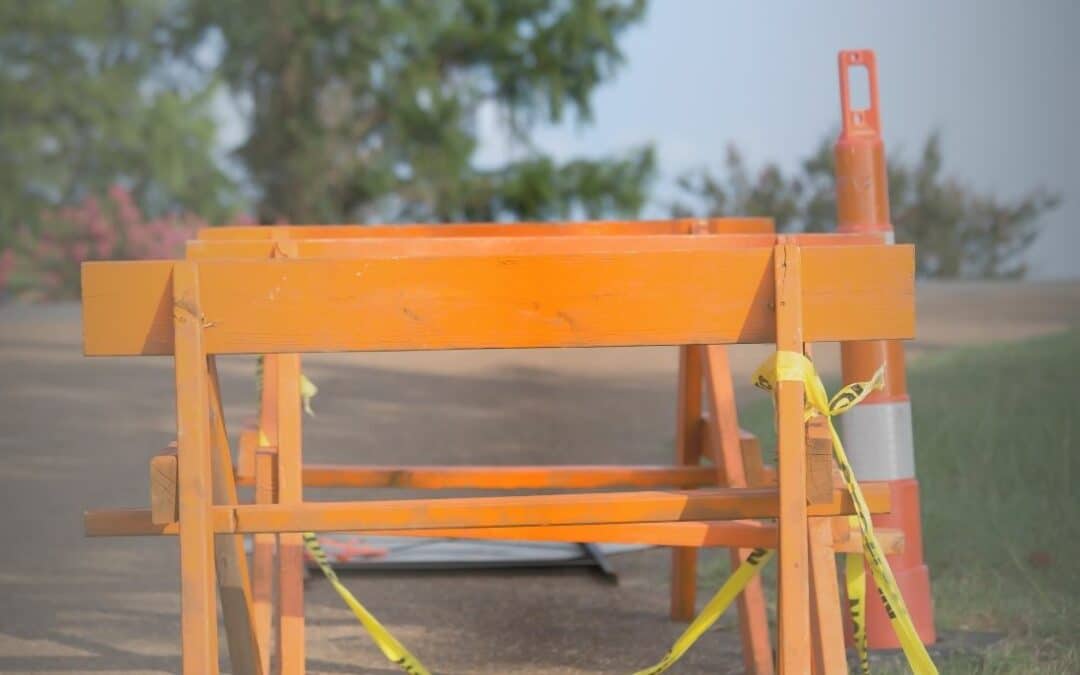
<point>514,511</point>
<point>479,477</point>
<point>819,460</point>
<point>593,299</point>
<point>682,605</point>
<point>557,228</point>
<point>753,465</point>
<point>727,451</point>
<point>761,502</point>
<point>263,569</point>
<point>198,606</point>
<point>290,642</point>
<point>139,523</point>
<point>829,656</point>
<point>262,557</point>
<point>164,506</point>
<point>494,245</point>
<point>426,247</point>
<point>793,604</point>
<point>234,584</point>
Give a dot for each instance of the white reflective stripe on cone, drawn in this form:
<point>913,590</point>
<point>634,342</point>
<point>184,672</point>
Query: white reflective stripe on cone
<point>877,437</point>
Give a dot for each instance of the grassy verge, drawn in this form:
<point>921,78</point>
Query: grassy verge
<point>997,438</point>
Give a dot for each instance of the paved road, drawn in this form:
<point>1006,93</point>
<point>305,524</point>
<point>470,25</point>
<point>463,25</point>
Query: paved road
<point>76,433</point>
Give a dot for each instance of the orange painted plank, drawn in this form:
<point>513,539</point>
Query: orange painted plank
<point>829,655</point>
<point>198,592</point>
<point>793,597</point>
<point>727,451</point>
<point>290,641</point>
<point>580,477</point>
<point>684,560</point>
<point>234,582</point>
<point>519,511</point>
<point>561,228</point>
<point>494,245</point>
<point>516,511</point>
<point>590,299</point>
<point>421,247</point>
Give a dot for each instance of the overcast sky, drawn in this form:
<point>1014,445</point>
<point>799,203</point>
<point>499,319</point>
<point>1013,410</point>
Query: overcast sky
<point>998,79</point>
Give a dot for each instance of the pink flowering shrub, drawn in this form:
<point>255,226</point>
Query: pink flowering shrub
<point>44,264</point>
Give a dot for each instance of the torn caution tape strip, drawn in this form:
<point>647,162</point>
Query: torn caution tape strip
<point>716,607</point>
<point>784,366</point>
<point>391,648</point>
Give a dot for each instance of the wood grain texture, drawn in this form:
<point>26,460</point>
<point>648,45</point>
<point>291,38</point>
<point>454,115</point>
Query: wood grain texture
<point>199,249</point>
<point>164,507</point>
<point>524,477</point>
<point>290,484</point>
<point>684,560</point>
<point>761,503</point>
<point>198,597</point>
<point>728,453</point>
<point>557,228</point>
<point>234,582</point>
<point>716,296</point>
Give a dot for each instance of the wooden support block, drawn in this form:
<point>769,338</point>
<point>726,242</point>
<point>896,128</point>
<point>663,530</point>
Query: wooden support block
<point>164,507</point>
<point>753,465</point>
<point>819,461</point>
<point>245,456</point>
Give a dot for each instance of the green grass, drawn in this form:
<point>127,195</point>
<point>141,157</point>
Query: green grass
<point>997,439</point>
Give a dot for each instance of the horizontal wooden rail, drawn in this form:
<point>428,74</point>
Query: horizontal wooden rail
<point>579,477</point>
<point>560,228</point>
<point>439,246</point>
<point>737,533</point>
<point>482,512</point>
<point>699,293</point>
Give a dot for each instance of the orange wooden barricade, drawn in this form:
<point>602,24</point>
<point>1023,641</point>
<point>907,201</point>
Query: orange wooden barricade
<point>715,435</point>
<point>699,291</point>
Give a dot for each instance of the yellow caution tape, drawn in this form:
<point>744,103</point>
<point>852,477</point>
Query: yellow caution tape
<point>391,648</point>
<point>716,607</point>
<point>855,573</point>
<point>307,392</point>
<point>794,367</point>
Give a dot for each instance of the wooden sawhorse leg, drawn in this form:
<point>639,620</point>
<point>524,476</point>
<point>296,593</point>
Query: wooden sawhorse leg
<point>794,582</point>
<point>198,606</point>
<point>234,584</point>
<point>687,452</point>
<point>727,451</point>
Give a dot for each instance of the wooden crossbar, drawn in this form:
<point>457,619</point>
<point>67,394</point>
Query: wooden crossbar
<point>693,293</point>
<point>576,477</point>
<point>584,508</point>
<point>200,249</point>
<point>709,533</point>
<point>545,229</point>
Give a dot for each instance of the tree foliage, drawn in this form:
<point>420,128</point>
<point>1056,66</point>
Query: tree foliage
<point>959,232</point>
<point>90,96</point>
<point>368,110</point>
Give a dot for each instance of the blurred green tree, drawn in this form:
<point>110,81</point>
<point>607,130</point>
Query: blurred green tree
<point>369,110</point>
<point>958,232</point>
<point>90,97</point>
